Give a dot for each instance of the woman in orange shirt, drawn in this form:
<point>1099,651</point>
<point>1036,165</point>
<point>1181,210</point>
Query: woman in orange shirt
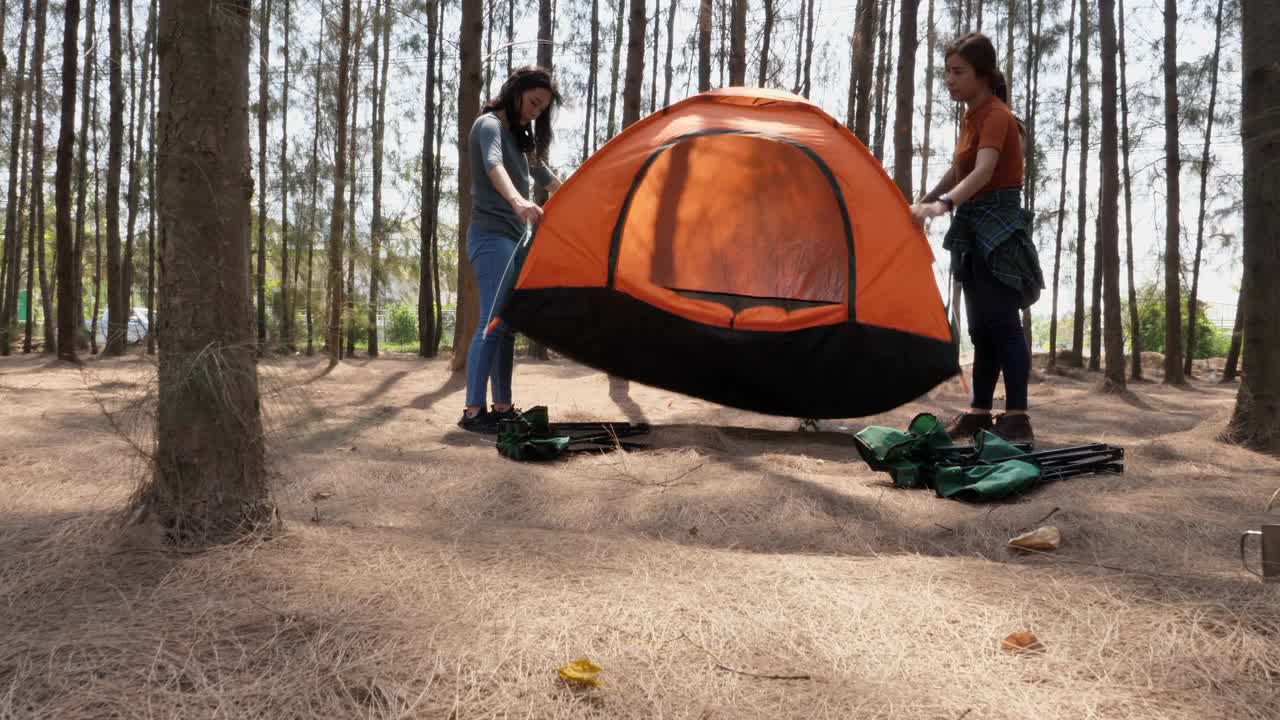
<point>989,238</point>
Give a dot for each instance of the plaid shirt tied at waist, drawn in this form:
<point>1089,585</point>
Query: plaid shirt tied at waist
<point>996,225</point>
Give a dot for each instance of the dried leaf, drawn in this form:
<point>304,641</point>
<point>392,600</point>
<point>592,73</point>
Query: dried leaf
<point>581,671</point>
<point>1044,539</point>
<point>1022,641</point>
<point>321,495</point>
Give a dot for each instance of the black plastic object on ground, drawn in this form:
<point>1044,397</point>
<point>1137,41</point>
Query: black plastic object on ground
<point>531,436</point>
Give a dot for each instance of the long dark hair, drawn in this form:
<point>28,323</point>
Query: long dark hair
<point>535,139</point>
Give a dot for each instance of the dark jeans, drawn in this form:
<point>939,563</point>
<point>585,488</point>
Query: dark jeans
<point>995,327</point>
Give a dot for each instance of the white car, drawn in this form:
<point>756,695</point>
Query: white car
<point>137,331</point>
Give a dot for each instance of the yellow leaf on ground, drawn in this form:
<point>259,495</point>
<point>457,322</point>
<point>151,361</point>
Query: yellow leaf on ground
<point>1044,539</point>
<point>1022,641</point>
<point>581,671</point>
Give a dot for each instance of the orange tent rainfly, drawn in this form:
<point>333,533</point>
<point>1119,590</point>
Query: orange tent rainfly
<point>743,247</point>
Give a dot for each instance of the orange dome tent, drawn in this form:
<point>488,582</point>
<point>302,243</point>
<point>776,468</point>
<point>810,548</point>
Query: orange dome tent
<point>743,247</point>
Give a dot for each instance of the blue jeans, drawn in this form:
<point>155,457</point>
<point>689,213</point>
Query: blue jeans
<point>491,357</point>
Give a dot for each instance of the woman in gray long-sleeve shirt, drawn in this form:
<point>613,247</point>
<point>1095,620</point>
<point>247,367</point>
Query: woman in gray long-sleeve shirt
<point>512,126</point>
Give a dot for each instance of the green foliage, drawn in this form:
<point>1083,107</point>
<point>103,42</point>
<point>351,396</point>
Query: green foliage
<point>1210,341</point>
<point>401,324</point>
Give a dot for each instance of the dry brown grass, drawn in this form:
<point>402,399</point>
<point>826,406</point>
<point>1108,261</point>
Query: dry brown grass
<point>420,575</point>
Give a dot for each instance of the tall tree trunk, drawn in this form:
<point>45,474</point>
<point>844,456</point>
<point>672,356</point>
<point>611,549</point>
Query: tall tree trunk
<point>27,224</point>
<point>800,27</point>
<point>337,218</point>
<point>1205,159</point>
<point>426,278</point>
<point>97,211</point>
<point>1256,420</point>
<point>12,217</point>
<point>704,45</point>
<point>1237,337</point>
<point>33,224</point>
<point>738,44</point>
<point>672,6</point>
<point>1077,330</point>
<point>635,65</point>
<point>287,290</point>
<point>767,37</point>
<point>65,255</point>
<point>723,55</point>
<point>546,59</point>
<point>439,179</point>
<point>1062,191</point>
<point>210,479</point>
<point>264,98</point>
<point>653,89</point>
<point>863,53</point>
<point>353,159</point>
<point>1135,337</point>
<point>376,229</point>
<point>1010,13</point>
<point>883,68</point>
<point>926,149</point>
<point>468,303</point>
<point>488,48</point>
<point>616,68</point>
<point>1109,224</point>
<point>38,174</point>
<point>807,87</point>
<point>152,331</point>
<point>82,184</point>
<point>593,83</point>
<point>1095,308</point>
<point>117,312</point>
<point>905,111</point>
<point>511,34</point>
<point>1173,168</point>
<point>315,189</point>
<point>131,198</point>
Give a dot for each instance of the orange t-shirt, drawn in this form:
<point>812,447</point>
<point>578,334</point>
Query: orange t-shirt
<point>991,125</point>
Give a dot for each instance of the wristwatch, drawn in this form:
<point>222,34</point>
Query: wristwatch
<point>945,199</point>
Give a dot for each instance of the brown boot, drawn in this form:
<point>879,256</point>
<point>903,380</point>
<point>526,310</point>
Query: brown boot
<point>966,425</point>
<point>1014,428</point>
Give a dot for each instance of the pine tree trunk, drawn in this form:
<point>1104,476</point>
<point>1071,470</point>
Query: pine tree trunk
<point>617,65</point>
<point>152,330</point>
<point>131,199</point>
<point>65,238</point>
<point>589,125</point>
<point>546,59</point>
<point>673,5</point>
<point>704,45</point>
<point>1205,160</point>
<point>767,37</point>
<point>653,89</point>
<point>1109,224</point>
<point>353,164</point>
<point>864,52</point>
<point>883,68</point>
<point>439,176</point>
<point>1256,421</point>
<point>32,224</point>
<point>97,216</point>
<point>1095,309</point>
<point>210,480</point>
<point>1077,334</point>
<point>117,312</point>
<point>426,278</point>
<point>1173,168</point>
<point>376,229</point>
<point>1062,193</point>
<point>905,95</point>
<point>635,65</point>
<point>337,218</point>
<point>12,218</point>
<point>1135,337</point>
<point>315,190</point>
<point>38,175</point>
<point>738,44</point>
<point>723,55</point>
<point>1237,338</point>
<point>926,148</point>
<point>467,313</point>
<point>287,289</point>
<point>807,87</point>
<point>488,48</point>
<point>264,98</point>
<point>800,26</point>
<point>82,185</point>
<point>511,34</point>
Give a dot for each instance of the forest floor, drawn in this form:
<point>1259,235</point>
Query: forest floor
<point>738,569</point>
